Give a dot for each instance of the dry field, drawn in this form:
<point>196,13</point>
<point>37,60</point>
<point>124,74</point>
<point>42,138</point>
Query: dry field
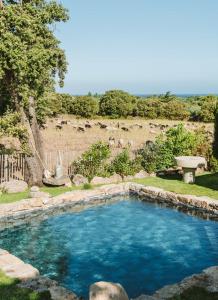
<point>71,136</point>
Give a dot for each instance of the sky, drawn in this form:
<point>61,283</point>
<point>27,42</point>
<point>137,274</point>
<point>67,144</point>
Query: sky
<point>141,46</point>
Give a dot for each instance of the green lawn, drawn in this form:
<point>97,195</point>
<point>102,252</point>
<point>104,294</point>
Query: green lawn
<point>206,185</point>
<point>10,291</point>
<point>54,191</point>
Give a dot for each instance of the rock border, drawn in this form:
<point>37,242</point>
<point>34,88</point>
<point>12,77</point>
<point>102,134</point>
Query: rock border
<point>28,210</point>
<point>33,209</point>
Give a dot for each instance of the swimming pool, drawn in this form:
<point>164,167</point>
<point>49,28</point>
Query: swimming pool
<point>141,245</point>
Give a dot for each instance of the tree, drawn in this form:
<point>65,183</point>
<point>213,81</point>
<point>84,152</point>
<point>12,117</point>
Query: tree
<point>117,103</point>
<point>30,61</point>
<point>215,143</point>
<point>208,108</point>
<point>84,106</point>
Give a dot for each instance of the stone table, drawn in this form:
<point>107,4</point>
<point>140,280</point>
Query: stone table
<point>189,164</point>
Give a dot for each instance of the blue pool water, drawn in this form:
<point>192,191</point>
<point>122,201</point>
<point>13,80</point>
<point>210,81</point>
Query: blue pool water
<point>141,245</point>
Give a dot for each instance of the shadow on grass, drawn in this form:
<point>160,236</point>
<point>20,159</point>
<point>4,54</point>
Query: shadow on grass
<point>209,181</point>
<point>10,291</point>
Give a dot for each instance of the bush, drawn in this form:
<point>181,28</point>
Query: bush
<point>150,108</point>
<point>87,186</point>
<point>92,161</point>
<point>175,110</point>
<point>208,108</point>
<point>84,106</point>
<point>123,165</point>
<point>178,141</point>
<point>117,104</point>
<point>215,143</point>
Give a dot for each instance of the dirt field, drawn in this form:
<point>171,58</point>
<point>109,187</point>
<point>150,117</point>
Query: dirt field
<point>71,136</point>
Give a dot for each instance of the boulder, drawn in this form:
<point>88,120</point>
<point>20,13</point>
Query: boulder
<point>106,180</point>
<point>64,180</point>
<point>14,186</point>
<point>39,194</point>
<point>40,284</point>
<point>107,291</point>
<point>115,178</point>
<point>141,174</point>
<point>79,180</point>
<point>34,189</point>
<point>36,193</point>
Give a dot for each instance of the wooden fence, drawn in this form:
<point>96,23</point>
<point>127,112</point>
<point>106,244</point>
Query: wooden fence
<point>12,167</point>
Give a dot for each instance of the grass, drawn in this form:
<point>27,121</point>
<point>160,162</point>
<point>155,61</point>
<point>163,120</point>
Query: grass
<point>206,185</point>
<point>10,291</point>
<point>54,191</point>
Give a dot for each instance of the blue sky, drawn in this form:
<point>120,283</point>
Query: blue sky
<point>141,46</point>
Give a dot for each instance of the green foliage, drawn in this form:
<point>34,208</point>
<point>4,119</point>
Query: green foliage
<point>124,165</point>
<point>84,106</point>
<point>215,143</point>
<point>10,126</point>
<point>213,164</point>
<point>178,141</point>
<point>87,186</point>
<point>10,291</point>
<point>30,56</point>
<point>117,104</point>
<point>175,110</point>
<point>208,108</point>
<point>92,161</point>
<point>150,108</point>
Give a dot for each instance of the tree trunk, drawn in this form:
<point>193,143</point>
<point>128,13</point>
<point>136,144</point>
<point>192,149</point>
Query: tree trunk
<point>35,161</point>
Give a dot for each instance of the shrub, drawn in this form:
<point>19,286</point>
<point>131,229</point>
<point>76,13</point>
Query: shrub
<point>123,165</point>
<point>150,108</point>
<point>175,110</point>
<point>84,106</point>
<point>87,186</point>
<point>178,141</point>
<point>117,104</point>
<point>213,164</point>
<point>215,143</point>
<point>208,108</point>
<point>92,161</point>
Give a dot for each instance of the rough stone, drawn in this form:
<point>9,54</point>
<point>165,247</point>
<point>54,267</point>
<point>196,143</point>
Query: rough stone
<point>39,194</point>
<point>79,180</point>
<point>14,186</point>
<point>34,189</point>
<point>15,268</point>
<point>107,291</point>
<point>106,180</point>
<point>140,175</point>
<point>64,180</point>
<point>57,292</point>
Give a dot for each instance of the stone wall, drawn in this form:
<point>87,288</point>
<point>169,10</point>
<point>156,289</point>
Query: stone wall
<point>40,208</point>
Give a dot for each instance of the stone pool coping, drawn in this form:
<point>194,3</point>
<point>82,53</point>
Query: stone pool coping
<point>24,211</point>
<point>27,210</point>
